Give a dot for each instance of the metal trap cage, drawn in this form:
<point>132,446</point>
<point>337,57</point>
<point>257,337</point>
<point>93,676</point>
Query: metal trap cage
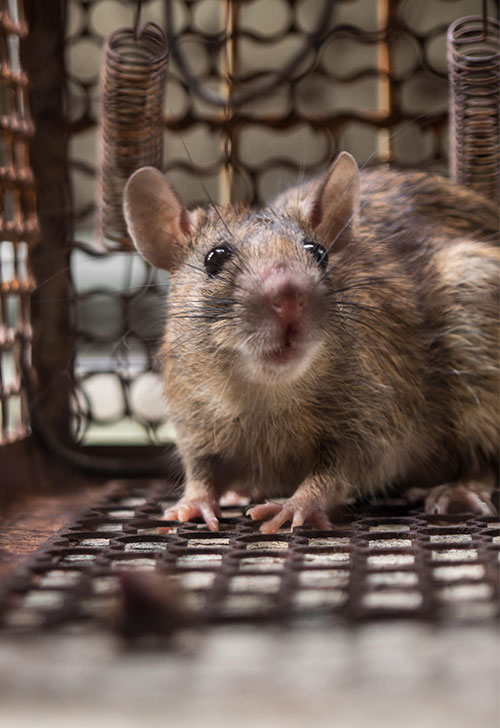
<point>80,321</point>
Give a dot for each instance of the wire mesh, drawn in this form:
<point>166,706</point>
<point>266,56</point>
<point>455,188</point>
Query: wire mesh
<point>378,561</point>
<point>18,223</point>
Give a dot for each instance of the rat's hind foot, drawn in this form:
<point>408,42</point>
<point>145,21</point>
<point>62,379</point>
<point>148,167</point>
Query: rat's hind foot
<point>201,507</point>
<point>292,510</point>
<point>470,495</point>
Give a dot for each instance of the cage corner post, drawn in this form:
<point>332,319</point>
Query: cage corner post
<point>43,54</point>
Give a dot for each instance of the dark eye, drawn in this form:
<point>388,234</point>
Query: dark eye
<point>317,251</point>
<point>215,259</point>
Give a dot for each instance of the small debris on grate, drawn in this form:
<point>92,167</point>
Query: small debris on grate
<point>373,564</point>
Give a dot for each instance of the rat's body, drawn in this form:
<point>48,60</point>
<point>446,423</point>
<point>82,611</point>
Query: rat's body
<point>290,376</point>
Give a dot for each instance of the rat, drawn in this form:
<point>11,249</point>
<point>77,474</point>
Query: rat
<point>337,342</point>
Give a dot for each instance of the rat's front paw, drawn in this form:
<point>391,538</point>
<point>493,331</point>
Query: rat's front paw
<point>296,510</point>
<point>201,507</point>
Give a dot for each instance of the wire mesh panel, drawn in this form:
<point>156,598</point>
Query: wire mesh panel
<point>366,77</point>
<point>379,561</point>
<point>18,223</point>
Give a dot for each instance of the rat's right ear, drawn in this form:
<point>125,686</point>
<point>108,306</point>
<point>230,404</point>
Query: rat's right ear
<point>332,206</point>
<point>157,221</point>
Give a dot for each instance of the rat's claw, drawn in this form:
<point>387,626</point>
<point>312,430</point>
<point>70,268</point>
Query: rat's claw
<point>275,523</point>
<point>293,511</point>
<point>265,510</point>
<point>186,509</point>
<point>209,517</point>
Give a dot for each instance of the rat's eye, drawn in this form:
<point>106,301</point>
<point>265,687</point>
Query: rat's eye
<point>317,251</point>
<point>215,259</point>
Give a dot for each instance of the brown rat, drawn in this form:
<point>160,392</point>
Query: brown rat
<point>337,342</point>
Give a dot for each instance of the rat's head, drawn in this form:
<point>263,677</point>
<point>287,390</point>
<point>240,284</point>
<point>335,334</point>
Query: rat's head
<point>248,287</point>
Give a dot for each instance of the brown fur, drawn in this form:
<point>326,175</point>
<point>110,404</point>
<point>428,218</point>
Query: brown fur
<point>403,387</point>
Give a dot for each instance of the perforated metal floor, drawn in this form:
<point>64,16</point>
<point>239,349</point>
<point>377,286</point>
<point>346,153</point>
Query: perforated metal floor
<point>379,561</point>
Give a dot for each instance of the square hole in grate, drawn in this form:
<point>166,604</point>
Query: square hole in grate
<point>450,538</point>
<point>330,541</point>
<point>389,561</point>
<point>455,555</point>
<point>261,563</point>
<point>326,558</point>
<point>465,592</point>
<point>196,579</point>
<point>95,543</point>
<point>43,599</point>
<point>105,585</point>
<point>133,502</point>
<point>266,545</point>
<point>265,583</point>
<point>390,543</point>
<point>393,599</point>
<point>195,559</point>
<point>136,564</point>
<point>246,605</point>
<point>120,513</point>
<point>109,527</point>
<point>207,542</point>
<point>392,579</point>
<point>59,578</point>
<point>83,558</point>
<point>319,598</point>
<point>461,571</point>
<point>323,578</point>
<point>145,546</point>
<point>382,527</point>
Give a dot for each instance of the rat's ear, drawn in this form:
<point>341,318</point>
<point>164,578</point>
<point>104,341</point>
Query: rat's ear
<point>332,206</point>
<point>157,221</point>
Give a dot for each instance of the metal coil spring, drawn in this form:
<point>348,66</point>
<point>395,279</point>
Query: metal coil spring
<point>474,69</point>
<point>131,134</point>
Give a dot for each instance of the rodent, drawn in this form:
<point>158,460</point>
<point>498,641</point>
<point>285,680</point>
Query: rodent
<point>337,342</point>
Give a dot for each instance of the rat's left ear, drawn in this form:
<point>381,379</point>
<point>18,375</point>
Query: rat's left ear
<point>332,206</point>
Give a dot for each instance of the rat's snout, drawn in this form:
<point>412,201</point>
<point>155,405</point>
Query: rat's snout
<point>285,296</point>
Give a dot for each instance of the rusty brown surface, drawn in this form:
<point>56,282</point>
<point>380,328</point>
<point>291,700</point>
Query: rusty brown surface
<point>29,523</point>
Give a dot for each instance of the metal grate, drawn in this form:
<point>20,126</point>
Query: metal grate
<point>18,223</point>
<point>375,85</point>
<point>377,562</point>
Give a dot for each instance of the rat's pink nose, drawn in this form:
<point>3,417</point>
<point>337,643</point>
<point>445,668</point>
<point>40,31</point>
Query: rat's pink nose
<point>288,305</point>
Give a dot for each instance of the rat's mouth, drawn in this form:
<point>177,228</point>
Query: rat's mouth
<point>280,355</point>
<point>288,350</point>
